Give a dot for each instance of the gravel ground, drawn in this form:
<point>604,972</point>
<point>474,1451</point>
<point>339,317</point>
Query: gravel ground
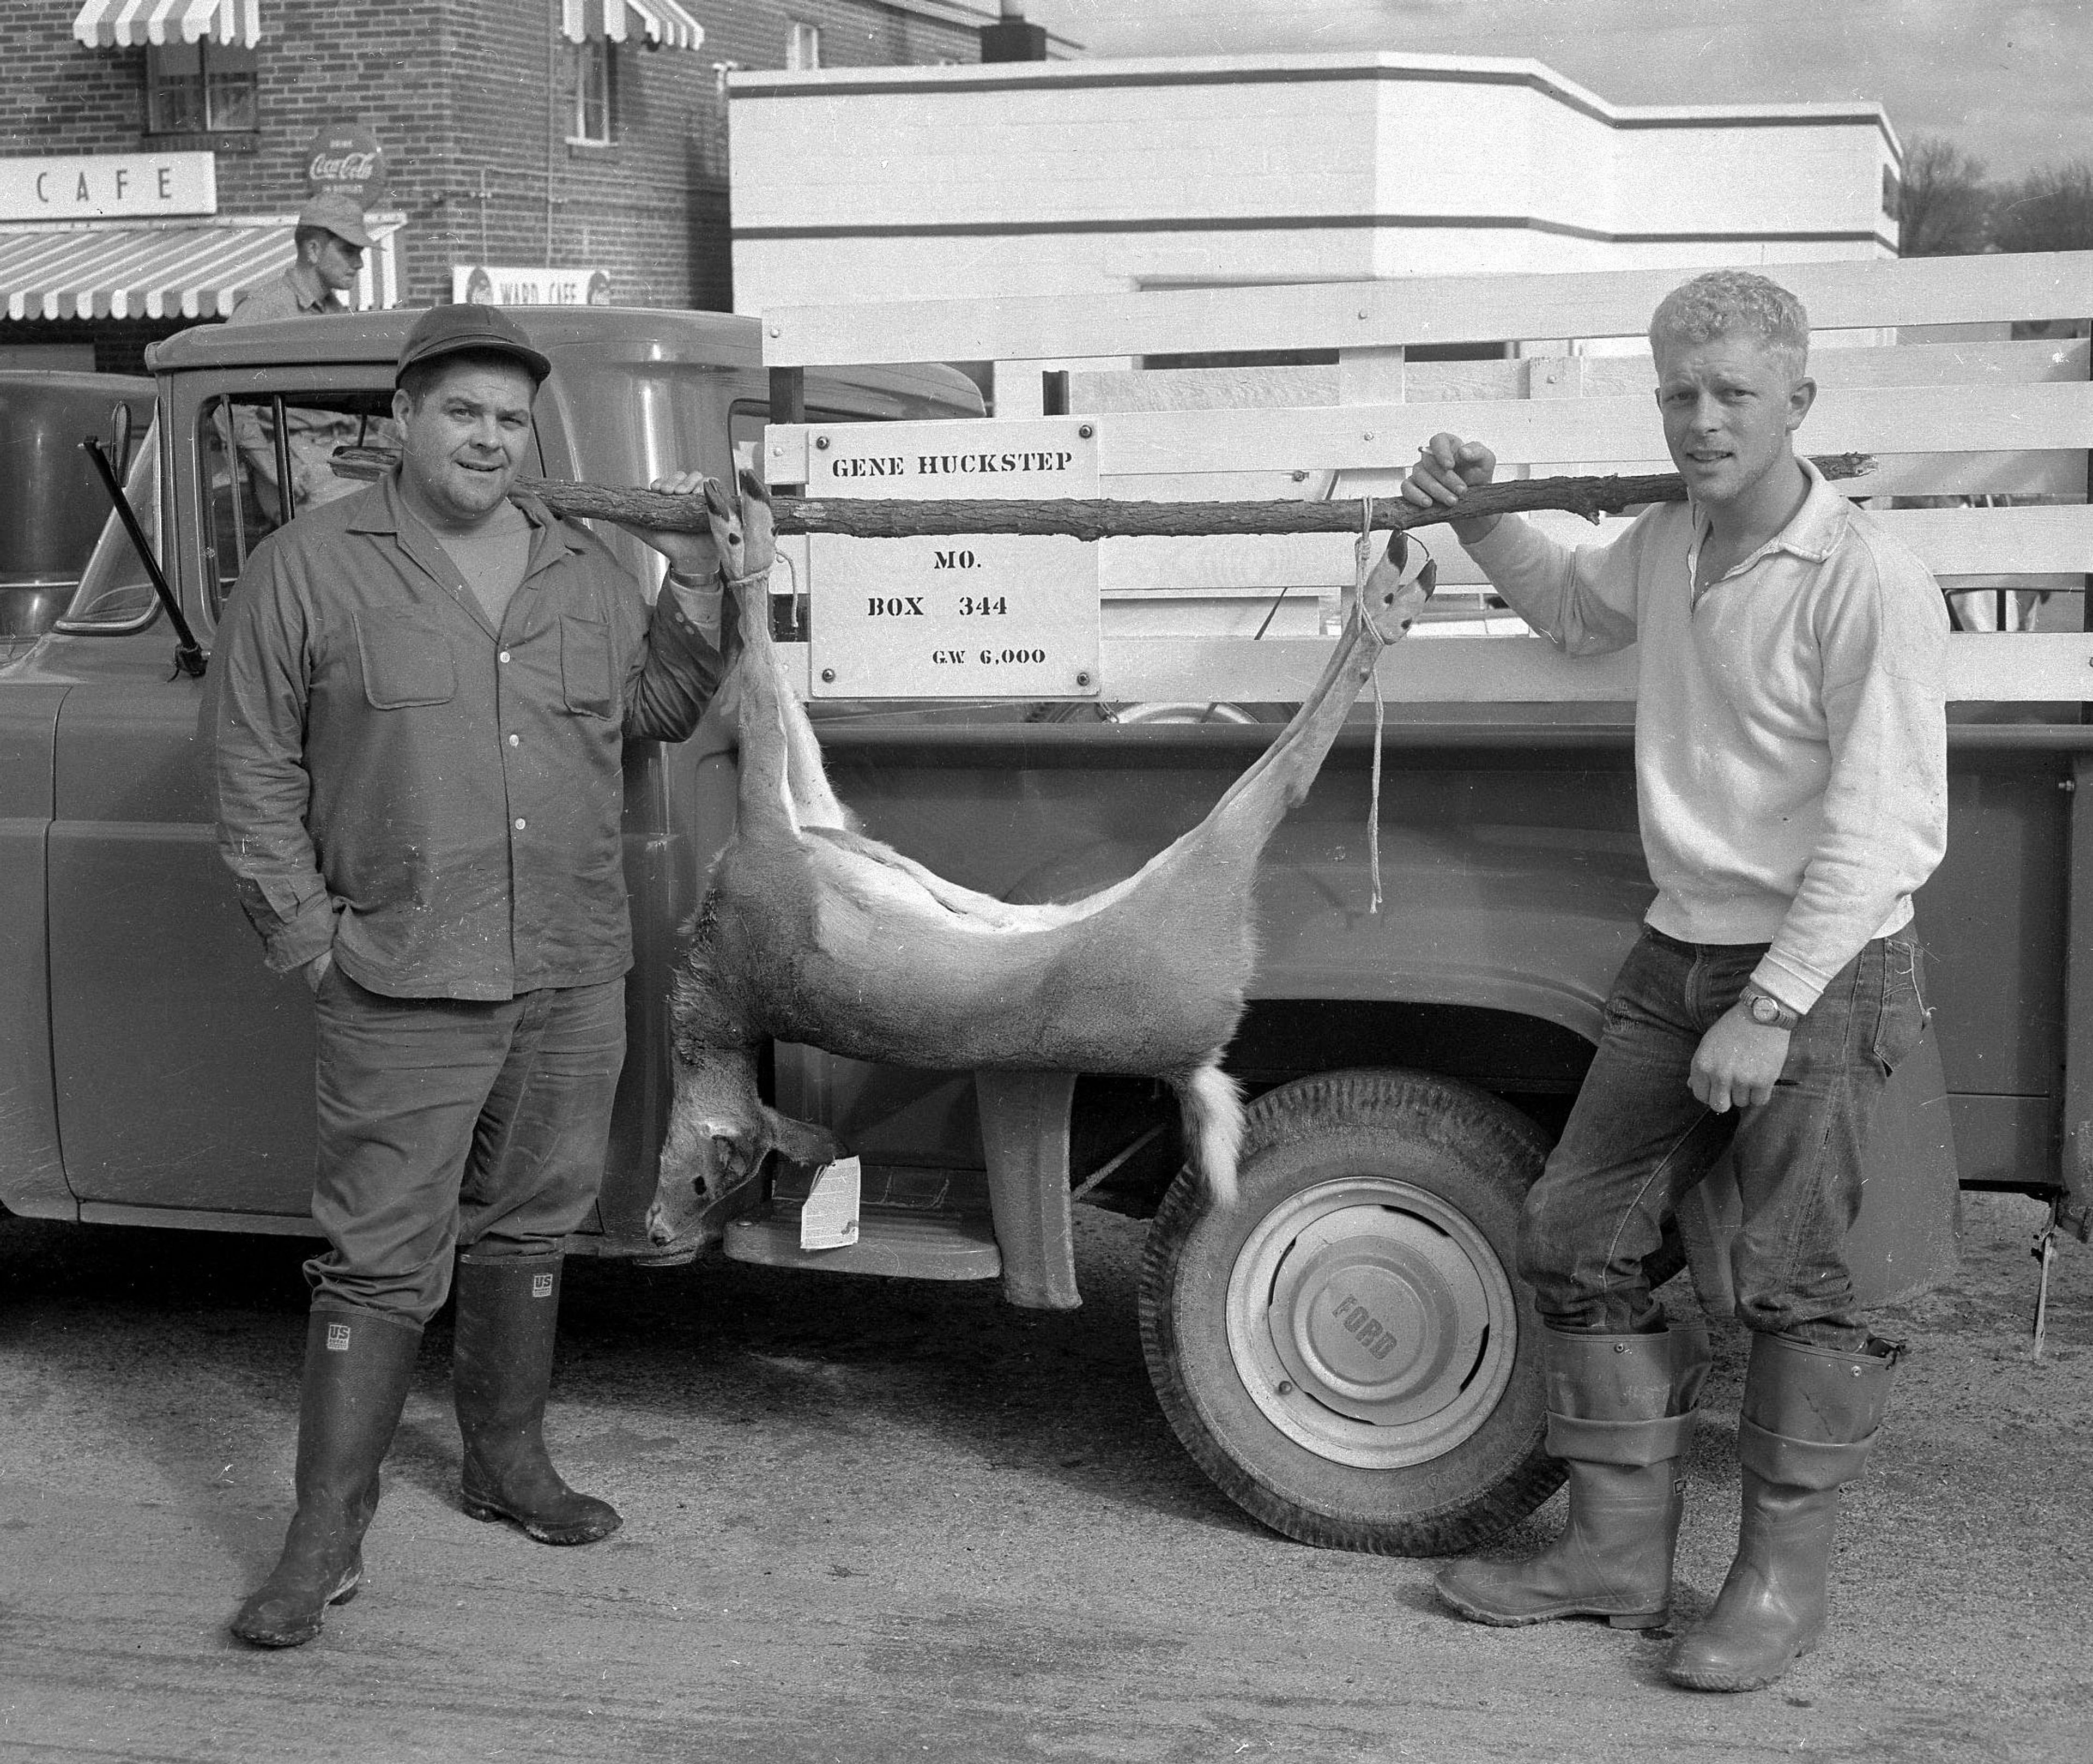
<point>873,1520</point>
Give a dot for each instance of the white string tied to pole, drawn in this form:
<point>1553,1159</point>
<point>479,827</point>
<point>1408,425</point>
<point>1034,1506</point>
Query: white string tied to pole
<point>1363,566</point>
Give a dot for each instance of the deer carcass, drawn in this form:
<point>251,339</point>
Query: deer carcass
<point>813,932</point>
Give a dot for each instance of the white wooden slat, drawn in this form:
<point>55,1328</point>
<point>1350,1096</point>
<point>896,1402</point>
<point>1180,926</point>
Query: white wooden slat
<point>1965,418</point>
<point>1258,561</point>
<point>2015,668</point>
<point>1222,388</point>
<point>1893,364</point>
<point>1409,310</point>
<point>1997,541</point>
<point>1967,541</point>
<point>1574,431</point>
<point>2019,667</point>
<point>1241,613</point>
<point>2057,473</point>
<point>2054,474</point>
<point>1512,670</point>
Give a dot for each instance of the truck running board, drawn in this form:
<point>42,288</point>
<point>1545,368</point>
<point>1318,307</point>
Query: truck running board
<point>890,1240</point>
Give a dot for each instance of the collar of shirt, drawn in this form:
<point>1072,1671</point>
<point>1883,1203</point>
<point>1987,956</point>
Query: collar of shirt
<point>1813,533</point>
<point>311,294</point>
<point>388,512</point>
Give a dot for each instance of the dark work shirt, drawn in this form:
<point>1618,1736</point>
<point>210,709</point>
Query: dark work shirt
<point>438,802</point>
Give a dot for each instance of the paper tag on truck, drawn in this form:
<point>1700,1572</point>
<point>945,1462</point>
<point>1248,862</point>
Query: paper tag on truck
<point>829,1220</point>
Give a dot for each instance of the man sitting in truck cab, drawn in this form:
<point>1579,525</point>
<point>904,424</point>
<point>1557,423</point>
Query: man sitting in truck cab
<point>424,691</point>
<point>1791,781</point>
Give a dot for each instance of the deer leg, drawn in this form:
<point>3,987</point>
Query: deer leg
<point>743,531</point>
<point>1251,809</point>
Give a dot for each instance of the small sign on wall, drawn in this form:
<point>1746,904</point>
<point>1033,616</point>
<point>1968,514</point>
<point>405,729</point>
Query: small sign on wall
<point>344,159</point>
<point>106,186</point>
<point>496,285</point>
<point>980,616</point>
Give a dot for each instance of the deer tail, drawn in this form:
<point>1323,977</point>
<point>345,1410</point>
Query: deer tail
<point>1213,1114</point>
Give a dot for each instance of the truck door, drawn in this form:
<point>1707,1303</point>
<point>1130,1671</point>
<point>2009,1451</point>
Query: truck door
<point>185,1067</point>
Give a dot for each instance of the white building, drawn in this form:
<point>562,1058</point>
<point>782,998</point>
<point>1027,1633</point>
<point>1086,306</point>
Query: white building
<point>1087,177</point>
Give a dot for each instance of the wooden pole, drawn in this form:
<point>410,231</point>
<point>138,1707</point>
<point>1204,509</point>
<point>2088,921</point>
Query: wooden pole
<point>1102,518</point>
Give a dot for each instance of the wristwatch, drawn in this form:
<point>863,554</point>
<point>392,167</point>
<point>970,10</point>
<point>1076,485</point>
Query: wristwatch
<point>1764,1008</point>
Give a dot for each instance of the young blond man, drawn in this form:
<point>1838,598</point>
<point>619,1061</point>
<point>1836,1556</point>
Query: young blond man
<point>1790,780</point>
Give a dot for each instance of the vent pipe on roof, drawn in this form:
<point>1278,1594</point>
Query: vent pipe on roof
<point>1010,38</point>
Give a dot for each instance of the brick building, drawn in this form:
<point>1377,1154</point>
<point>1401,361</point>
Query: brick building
<point>153,152</point>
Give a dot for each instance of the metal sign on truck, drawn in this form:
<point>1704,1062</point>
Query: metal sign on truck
<point>992,616</point>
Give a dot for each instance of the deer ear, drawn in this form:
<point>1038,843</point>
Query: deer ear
<point>800,1141</point>
<point>719,517</point>
<point>758,525</point>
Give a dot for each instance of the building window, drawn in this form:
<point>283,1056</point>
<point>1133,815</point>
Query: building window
<point>593,78</point>
<point>201,87</point>
<point>803,46</point>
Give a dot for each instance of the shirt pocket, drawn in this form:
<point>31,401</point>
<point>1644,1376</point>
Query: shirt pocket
<point>585,677</point>
<point>406,662</point>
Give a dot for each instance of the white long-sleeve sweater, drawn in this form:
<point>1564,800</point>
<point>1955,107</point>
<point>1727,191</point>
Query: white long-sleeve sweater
<point>1790,738</point>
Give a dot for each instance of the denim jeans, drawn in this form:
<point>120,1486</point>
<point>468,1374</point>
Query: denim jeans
<point>1638,1139</point>
<point>446,1124</point>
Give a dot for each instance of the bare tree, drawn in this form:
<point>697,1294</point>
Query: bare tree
<point>2049,210</point>
<point>1942,208</point>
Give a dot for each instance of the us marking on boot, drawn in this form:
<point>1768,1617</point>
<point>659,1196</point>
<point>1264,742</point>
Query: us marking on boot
<point>337,1338</point>
<point>541,1286</point>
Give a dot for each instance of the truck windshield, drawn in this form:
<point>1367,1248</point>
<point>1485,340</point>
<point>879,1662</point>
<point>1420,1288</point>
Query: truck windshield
<point>115,592</point>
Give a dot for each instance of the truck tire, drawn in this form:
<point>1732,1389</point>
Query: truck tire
<point>1349,1353</point>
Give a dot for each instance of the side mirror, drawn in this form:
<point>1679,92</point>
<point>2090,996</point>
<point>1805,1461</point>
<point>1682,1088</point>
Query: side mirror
<point>119,440</point>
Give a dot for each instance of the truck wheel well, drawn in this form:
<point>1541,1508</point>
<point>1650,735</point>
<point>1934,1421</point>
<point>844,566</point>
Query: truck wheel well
<point>1534,1065</point>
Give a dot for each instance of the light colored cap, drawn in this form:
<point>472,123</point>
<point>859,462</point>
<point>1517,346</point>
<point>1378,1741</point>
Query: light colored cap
<point>341,215</point>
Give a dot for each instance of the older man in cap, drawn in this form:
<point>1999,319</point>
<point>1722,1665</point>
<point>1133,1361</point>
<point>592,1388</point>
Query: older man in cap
<point>424,694</point>
<point>331,241</point>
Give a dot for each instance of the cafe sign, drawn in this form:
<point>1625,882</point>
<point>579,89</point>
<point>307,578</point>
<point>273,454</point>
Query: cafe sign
<point>108,186</point>
<point>496,285</point>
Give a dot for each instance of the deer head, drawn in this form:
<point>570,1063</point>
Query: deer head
<point>743,529</point>
<point>720,1131</point>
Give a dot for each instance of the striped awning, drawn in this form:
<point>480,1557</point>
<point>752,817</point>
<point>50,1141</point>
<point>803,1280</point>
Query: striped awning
<point>661,24</point>
<point>127,23</point>
<point>142,272</point>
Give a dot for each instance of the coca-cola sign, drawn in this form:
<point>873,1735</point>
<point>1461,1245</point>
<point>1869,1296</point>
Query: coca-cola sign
<point>344,159</point>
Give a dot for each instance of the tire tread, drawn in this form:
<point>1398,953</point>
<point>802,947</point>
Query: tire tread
<point>1448,1110</point>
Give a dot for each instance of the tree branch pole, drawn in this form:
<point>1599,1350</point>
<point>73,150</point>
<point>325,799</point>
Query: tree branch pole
<point>1102,518</point>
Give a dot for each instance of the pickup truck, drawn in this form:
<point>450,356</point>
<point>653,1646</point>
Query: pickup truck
<point>1349,1354</point>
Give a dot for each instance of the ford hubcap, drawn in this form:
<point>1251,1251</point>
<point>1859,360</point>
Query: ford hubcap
<point>1371,1322</point>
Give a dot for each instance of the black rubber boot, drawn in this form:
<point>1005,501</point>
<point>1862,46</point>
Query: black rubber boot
<point>357,1367</point>
<point>1809,1418</point>
<point>1620,1414</point>
<point>501,1367</point>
